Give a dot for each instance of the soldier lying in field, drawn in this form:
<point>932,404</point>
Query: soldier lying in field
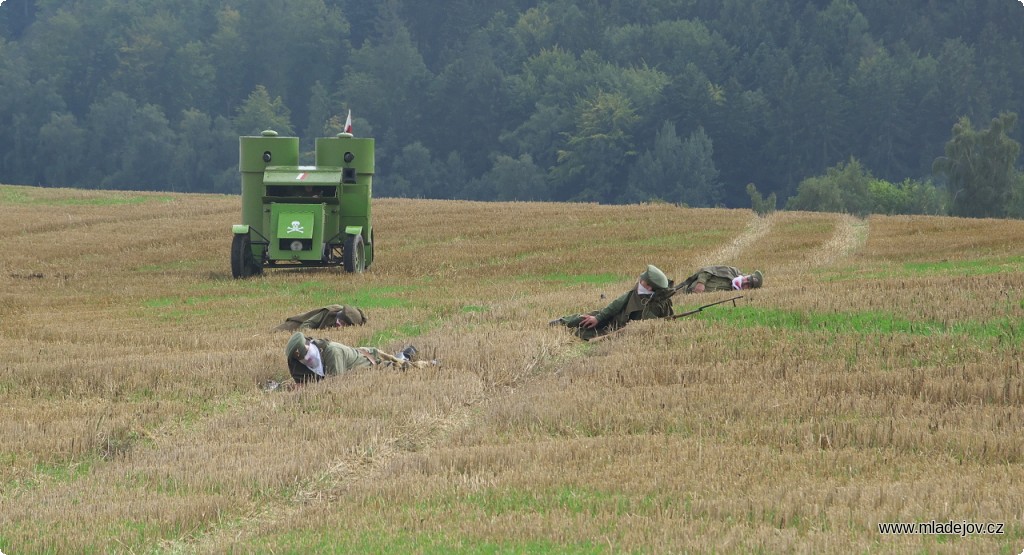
<point>720,278</point>
<point>651,297</point>
<point>311,360</point>
<point>330,316</point>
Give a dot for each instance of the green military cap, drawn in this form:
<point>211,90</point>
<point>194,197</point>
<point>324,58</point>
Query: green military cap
<point>296,346</point>
<point>756,279</point>
<point>655,277</point>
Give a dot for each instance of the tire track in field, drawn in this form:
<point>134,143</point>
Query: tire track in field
<point>362,463</point>
<point>849,236</point>
<point>756,229</point>
<point>366,462</point>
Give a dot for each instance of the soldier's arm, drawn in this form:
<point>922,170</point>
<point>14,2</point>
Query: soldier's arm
<point>613,308</point>
<point>700,284</point>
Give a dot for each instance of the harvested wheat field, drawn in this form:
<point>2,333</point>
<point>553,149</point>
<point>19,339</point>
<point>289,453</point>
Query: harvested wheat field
<point>874,379</point>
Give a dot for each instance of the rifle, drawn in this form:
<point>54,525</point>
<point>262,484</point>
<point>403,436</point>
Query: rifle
<point>672,317</point>
<point>698,309</point>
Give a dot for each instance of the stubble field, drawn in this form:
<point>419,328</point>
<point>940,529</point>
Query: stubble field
<point>875,378</point>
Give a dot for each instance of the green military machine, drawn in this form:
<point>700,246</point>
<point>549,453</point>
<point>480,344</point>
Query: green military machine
<point>294,216</point>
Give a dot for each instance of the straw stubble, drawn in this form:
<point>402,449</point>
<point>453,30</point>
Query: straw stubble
<point>874,378</point>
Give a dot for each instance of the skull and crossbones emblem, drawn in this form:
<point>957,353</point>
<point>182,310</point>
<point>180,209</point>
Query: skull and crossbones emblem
<point>296,227</point>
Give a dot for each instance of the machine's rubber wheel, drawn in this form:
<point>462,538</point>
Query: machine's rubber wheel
<point>242,263</point>
<point>353,254</point>
<point>367,260</point>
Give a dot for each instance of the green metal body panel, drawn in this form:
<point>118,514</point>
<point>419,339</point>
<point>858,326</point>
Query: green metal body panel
<point>355,205</point>
<point>295,222</point>
<point>329,200</point>
<point>284,151</point>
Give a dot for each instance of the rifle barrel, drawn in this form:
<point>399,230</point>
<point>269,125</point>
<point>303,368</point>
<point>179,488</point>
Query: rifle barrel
<point>698,309</point>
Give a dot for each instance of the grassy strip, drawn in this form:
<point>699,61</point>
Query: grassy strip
<point>103,198</point>
<point>865,323</point>
<point>405,331</point>
<point>588,279</point>
<point>48,472</point>
<point>416,329</point>
<point>909,270</point>
<point>979,266</point>
<point>318,293</point>
<point>568,499</point>
<point>391,541</point>
<point>314,294</point>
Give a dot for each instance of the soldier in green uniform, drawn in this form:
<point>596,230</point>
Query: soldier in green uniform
<point>720,278</point>
<point>330,316</point>
<point>311,360</point>
<point>651,298</point>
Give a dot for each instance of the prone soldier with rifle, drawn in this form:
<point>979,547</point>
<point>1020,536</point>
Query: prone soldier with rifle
<point>697,310</point>
<point>650,299</point>
<point>720,278</point>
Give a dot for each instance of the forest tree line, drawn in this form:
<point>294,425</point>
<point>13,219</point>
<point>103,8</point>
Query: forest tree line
<point>860,106</point>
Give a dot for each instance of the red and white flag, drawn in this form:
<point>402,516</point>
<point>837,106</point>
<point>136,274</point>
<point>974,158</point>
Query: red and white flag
<point>348,122</point>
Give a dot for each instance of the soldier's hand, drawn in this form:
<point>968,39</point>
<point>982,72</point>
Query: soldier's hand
<point>589,321</point>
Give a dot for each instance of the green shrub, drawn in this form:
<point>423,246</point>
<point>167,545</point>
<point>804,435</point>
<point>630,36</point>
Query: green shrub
<point>761,206</point>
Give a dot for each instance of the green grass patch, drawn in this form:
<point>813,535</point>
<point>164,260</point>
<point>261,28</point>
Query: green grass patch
<point>160,302</point>
<point>319,293</point>
<point>908,270</point>
<point>388,541</point>
<point>975,267</point>
<point>381,297</point>
<point>859,323</point>
<point>64,472</point>
<point>568,499</point>
<point>405,331</point>
<point>16,196</point>
<point>415,329</point>
<point>314,294</point>
<point>587,279</point>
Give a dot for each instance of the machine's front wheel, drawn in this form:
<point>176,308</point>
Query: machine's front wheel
<point>368,250</point>
<point>243,264</point>
<point>353,257</point>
